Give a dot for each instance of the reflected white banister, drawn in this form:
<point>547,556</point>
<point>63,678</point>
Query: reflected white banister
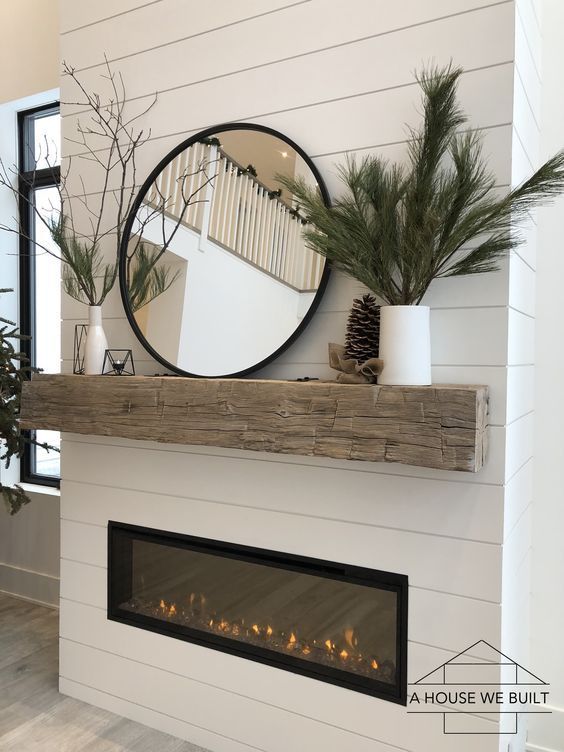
<point>233,209</point>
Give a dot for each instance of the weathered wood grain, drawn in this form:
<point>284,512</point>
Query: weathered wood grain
<point>440,426</point>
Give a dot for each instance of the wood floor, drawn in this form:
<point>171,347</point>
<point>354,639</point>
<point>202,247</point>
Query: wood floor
<point>34,717</point>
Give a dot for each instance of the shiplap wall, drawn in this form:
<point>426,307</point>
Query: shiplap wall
<point>546,733</point>
<point>336,77</point>
<point>516,581</point>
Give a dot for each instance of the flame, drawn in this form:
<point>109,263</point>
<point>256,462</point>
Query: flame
<point>350,637</point>
<point>348,653</point>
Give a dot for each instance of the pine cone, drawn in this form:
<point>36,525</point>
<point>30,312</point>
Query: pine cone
<point>363,329</point>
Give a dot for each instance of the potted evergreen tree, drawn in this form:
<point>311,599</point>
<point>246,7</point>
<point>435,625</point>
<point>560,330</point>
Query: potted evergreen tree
<point>397,228</point>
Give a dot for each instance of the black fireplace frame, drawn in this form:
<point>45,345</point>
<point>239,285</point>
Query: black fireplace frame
<point>121,535</point>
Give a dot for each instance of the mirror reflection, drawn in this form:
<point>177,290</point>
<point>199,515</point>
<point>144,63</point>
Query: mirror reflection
<point>217,273</point>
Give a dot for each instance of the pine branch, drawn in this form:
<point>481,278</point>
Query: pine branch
<point>397,229</point>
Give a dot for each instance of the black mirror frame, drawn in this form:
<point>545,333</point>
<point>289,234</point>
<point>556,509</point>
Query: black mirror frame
<point>206,133</point>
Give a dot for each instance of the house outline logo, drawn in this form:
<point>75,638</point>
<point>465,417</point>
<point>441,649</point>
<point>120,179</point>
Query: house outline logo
<point>468,673</point>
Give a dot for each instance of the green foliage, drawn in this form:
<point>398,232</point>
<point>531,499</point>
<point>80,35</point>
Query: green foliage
<point>14,370</point>
<point>398,228</point>
<point>147,277</point>
<point>86,277</point>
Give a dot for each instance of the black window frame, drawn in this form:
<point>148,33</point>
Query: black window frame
<point>30,180</point>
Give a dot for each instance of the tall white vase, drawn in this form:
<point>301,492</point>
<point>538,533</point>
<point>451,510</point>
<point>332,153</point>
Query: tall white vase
<point>96,342</point>
<point>405,345</point>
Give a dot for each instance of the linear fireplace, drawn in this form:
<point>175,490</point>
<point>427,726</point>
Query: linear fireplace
<point>337,623</point>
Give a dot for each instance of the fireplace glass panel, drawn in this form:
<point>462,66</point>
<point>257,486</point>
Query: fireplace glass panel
<point>334,622</point>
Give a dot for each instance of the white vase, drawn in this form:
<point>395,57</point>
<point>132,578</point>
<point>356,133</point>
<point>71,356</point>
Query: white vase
<point>405,345</point>
<point>96,342</point>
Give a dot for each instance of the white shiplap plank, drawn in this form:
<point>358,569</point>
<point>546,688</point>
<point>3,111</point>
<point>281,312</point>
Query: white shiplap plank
<point>457,337</point>
<point>353,718</point>
<point>526,125</point>
<point>190,732</point>
<point>521,339</point>
<point>141,34</point>
<point>299,33</point>
<point>83,583</point>
<point>527,250</point>
<point>519,444</point>
<point>452,508</point>
<point>325,84</point>
<point>77,15</point>
<point>525,63</point>
<point>520,391</point>
<point>473,568</point>
<point>259,725</point>
<point>496,143</point>
<point>521,164</point>
<point>518,496</point>
<point>135,32</point>
<point>521,286</point>
<point>84,542</point>
<point>476,290</point>
<point>527,16</point>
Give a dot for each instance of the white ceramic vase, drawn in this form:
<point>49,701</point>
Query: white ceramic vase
<point>405,345</point>
<point>96,342</point>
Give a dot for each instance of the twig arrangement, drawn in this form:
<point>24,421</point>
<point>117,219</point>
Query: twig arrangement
<point>109,137</point>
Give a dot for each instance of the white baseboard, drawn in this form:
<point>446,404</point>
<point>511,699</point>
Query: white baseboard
<point>32,586</point>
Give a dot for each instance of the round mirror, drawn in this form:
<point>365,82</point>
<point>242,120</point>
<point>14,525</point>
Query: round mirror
<point>215,275</point>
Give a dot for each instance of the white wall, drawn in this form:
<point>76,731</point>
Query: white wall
<point>29,549</point>
<point>548,551</point>
<point>246,312</point>
<point>335,79</point>
<point>29,53</point>
<point>516,582</point>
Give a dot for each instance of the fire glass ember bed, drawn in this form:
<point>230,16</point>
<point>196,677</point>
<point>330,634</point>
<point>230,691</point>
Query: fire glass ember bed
<point>337,623</point>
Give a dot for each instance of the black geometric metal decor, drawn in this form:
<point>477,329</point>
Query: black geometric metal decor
<point>118,363</point>
<point>80,332</point>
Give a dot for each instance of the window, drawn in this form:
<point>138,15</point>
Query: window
<point>40,272</point>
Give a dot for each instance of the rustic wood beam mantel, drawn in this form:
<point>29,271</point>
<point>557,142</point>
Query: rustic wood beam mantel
<point>440,426</point>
